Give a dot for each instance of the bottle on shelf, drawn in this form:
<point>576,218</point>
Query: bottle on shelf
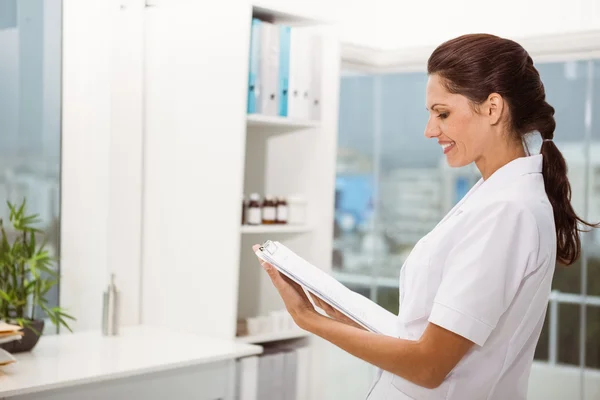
<point>282,210</point>
<point>297,209</point>
<point>253,210</point>
<point>269,210</point>
<point>243,210</point>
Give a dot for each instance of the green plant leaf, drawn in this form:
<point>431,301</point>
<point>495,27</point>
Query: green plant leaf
<point>5,296</point>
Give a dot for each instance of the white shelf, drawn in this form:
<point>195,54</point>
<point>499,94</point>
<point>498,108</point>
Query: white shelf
<point>273,337</point>
<point>268,123</point>
<point>283,17</point>
<point>348,278</point>
<point>275,228</point>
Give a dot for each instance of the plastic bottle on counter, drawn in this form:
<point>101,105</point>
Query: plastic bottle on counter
<point>110,312</point>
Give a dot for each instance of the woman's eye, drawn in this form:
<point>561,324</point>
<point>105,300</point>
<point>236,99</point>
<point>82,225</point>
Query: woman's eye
<point>443,116</point>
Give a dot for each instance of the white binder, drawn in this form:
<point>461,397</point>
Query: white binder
<point>268,97</point>
<point>290,371</point>
<point>355,306</point>
<point>316,51</point>
<point>247,378</point>
<point>302,373</point>
<point>300,71</point>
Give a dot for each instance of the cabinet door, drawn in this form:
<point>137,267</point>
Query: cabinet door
<point>207,382</point>
<point>196,66</point>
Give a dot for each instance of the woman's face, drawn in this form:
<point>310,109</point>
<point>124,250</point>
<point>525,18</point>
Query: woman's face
<point>460,131</point>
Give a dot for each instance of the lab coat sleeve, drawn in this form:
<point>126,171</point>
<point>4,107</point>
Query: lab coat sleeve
<point>484,270</point>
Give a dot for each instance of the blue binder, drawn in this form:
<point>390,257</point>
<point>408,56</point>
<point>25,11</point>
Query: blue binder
<point>284,68</point>
<point>254,66</point>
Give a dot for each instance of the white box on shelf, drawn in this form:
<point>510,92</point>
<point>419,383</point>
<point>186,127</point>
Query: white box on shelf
<point>296,210</point>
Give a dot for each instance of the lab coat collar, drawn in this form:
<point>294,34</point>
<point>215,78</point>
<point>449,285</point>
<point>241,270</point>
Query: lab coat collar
<point>507,174</point>
<point>503,176</point>
<point>515,168</point>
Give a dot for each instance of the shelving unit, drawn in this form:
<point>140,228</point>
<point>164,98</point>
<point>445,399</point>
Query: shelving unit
<point>274,337</point>
<point>286,157</point>
<point>273,229</point>
<point>202,153</point>
<point>273,124</point>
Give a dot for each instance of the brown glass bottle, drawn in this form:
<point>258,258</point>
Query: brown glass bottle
<point>253,210</point>
<point>269,210</point>
<point>243,210</point>
<point>282,210</point>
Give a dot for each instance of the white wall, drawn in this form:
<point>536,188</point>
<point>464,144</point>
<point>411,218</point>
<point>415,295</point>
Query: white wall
<point>431,22</point>
<point>85,159</point>
<point>193,169</point>
<point>101,157</point>
<point>393,24</point>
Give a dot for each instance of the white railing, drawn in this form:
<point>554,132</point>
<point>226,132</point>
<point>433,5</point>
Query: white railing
<point>556,298</point>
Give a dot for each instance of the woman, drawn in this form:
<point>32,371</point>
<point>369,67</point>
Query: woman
<point>474,290</point>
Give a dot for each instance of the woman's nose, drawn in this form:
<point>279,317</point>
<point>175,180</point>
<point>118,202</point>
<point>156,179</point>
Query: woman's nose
<point>432,129</point>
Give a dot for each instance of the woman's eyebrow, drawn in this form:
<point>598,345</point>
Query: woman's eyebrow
<point>435,105</point>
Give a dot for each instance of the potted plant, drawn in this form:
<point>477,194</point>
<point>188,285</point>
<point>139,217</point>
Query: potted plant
<point>27,273</point>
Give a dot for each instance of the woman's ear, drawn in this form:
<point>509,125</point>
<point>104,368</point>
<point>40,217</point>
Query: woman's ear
<point>495,108</point>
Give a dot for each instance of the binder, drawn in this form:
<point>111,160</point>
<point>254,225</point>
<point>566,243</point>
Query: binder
<point>300,56</point>
<point>253,73</point>
<point>316,60</point>
<point>247,378</point>
<point>361,310</point>
<point>277,378</point>
<point>290,372</point>
<point>284,69</point>
<point>269,375</point>
<point>268,82</point>
<point>303,373</point>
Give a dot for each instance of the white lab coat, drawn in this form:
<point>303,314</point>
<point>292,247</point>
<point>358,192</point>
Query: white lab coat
<point>485,273</point>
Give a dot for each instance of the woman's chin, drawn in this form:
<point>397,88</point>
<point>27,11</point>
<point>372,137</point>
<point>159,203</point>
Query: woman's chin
<point>456,162</point>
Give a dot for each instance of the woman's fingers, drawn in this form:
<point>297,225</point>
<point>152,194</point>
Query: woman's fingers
<point>316,300</point>
<point>323,305</point>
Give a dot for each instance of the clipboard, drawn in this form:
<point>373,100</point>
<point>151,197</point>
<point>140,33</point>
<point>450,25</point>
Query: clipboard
<point>358,308</point>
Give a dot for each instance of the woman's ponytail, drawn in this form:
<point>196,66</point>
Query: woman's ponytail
<point>558,189</point>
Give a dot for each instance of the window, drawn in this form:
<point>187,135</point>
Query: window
<point>30,113</point>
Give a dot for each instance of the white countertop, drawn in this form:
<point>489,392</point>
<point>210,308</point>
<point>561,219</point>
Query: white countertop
<point>75,359</point>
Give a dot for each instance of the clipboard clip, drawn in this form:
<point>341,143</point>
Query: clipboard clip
<point>269,246</point>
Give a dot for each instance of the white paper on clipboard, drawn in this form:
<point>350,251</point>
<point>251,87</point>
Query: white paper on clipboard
<point>355,306</point>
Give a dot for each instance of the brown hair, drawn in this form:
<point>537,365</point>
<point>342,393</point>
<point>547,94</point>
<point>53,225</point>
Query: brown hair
<point>478,65</point>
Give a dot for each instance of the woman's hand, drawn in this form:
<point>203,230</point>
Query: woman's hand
<point>294,297</point>
<point>296,301</point>
<point>332,312</point>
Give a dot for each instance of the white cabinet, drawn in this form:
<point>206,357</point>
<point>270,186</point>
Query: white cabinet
<point>205,382</point>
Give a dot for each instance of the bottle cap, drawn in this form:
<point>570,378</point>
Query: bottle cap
<point>254,196</point>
